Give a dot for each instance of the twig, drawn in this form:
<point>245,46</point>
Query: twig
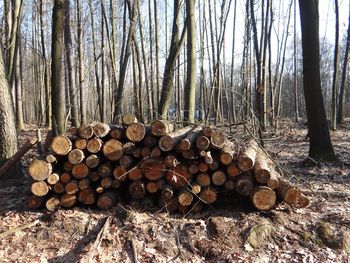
<point>16,229</point>
<point>134,251</point>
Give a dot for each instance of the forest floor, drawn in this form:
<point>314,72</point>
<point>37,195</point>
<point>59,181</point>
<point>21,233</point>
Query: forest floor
<point>318,233</point>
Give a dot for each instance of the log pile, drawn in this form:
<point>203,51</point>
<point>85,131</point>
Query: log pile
<point>184,169</point>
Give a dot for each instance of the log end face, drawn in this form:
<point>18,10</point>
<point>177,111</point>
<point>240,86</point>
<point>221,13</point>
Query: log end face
<point>264,198</point>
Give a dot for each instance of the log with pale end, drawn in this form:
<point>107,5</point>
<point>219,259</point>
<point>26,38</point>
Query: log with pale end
<point>203,179</point>
<point>86,131</point>
<point>53,203</point>
<point>263,198</point>
<point>93,161</point>
<point>76,156</point>
<point>161,127</point>
<point>112,150</point>
<point>61,145</point>
<point>228,153</point>
<point>247,158</point>
<point>80,143</point>
<point>291,194</point>
<point>68,200</point>
<point>218,178</point>
<point>39,188</point>
<point>218,140</point>
<point>80,171</point>
<point>53,178</point>
<point>120,173</point>
<point>208,195</point>
<point>185,198</point>
<point>94,145</point>
<point>101,130</point>
<point>190,139</point>
<point>202,142</point>
<point>72,187</point>
<point>168,141</point>
<point>135,132</point>
<point>39,170</point>
<point>129,118</point>
<point>153,169</point>
<point>261,168</point>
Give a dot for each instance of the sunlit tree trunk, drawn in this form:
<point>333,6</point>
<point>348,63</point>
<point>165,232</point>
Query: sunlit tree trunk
<point>335,68</point>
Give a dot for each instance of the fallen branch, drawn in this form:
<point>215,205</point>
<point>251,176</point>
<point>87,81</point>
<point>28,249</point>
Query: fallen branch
<point>16,229</point>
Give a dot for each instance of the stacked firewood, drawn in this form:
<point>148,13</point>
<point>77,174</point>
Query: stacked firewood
<point>147,166</point>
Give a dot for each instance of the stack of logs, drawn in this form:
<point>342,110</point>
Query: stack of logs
<point>148,166</point>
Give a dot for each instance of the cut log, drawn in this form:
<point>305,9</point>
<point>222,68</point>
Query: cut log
<point>129,118</point>
<point>161,127</point>
<point>156,152</point>
<point>84,183</point>
<point>59,188</point>
<point>203,167</point>
<point>115,184</point>
<point>203,179</point>
<point>116,132</point>
<point>214,165</point>
<point>291,195</point>
<point>152,187</point>
<point>35,202</point>
<point>146,151</point>
<point>207,156</point>
<point>94,145</point>
<point>80,143</point>
<point>76,156</point>
<point>65,178</point>
<point>218,140</point>
<point>39,188</point>
<point>92,161</point>
<point>80,171</point>
<point>232,170</point>
<point>153,169</point>
<point>168,141</point>
<point>230,185</point>
<point>261,168</point>
<point>112,149</point>
<point>190,139</point>
<point>185,198</point>
<point>171,161</point>
<point>61,145</point>
<point>106,200</point>
<point>218,178</point>
<point>135,174</point>
<point>126,161</point>
<point>129,148</point>
<point>50,158</point>
<point>193,168</point>
<point>245,184</point>
<point>188,155</point>
<point>195,188</point>
<point>68,166</point>
<point>12,160</point>
<point>273,181</point>
<point>137,153</point>
<point>178,177</point>
<point>104,170</point>
<point>247,158</point>
<point>150,141</point>
<point>99,189</point>
<point>228,153</point>
<point>53,204</point>
<point>137,189</point>
<point>72,187</point>
<point>263,198</point>
<point>94,176</point>
<point>167,192</point>
<point>207,131</point>
<point>101,130</point>
<point>120,173</point>
<point>53,179</point>
<point>169,205</point>
<point>202,142</point>
<point>135,132</point>
<point>106,182</point>
<point>86,196</point>
<point>39,170</point>
<point>72,131</point>
<point>68,200</point>
<point>208,195</point>
<point>86,131</point>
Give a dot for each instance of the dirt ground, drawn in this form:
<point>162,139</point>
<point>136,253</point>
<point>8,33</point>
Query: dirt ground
<point>233,233</point>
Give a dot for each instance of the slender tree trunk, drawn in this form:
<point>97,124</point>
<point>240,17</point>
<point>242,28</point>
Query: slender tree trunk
<point>320,144</point>
<point>18,85</point>
<point>340,118</point>
<point>335,69</point>
<point>296,103</point>
<point>169,69</point>
<point>151,52</point>
<point>233,100</point>
<point>8,134</point>
<point>190,90</point>
<point>157,48</point>
<point>101,92</point>
<point>71,81</point>
<point>81,65</point>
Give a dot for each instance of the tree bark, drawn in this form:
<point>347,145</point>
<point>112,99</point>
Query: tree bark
<point>335,68</point>
<point>320,143</point>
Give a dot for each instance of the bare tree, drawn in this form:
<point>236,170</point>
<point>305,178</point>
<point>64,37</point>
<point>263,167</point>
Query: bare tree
<point>58,92</point>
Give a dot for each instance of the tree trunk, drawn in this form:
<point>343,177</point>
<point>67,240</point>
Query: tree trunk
<point>58,92</point>
<point>335,68</point>
<point>71,80</point>
<point>190,91</point>
<point>340,117</point>
<point>8,134</point>
<point>320,143</point>
<point>81,65</point>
